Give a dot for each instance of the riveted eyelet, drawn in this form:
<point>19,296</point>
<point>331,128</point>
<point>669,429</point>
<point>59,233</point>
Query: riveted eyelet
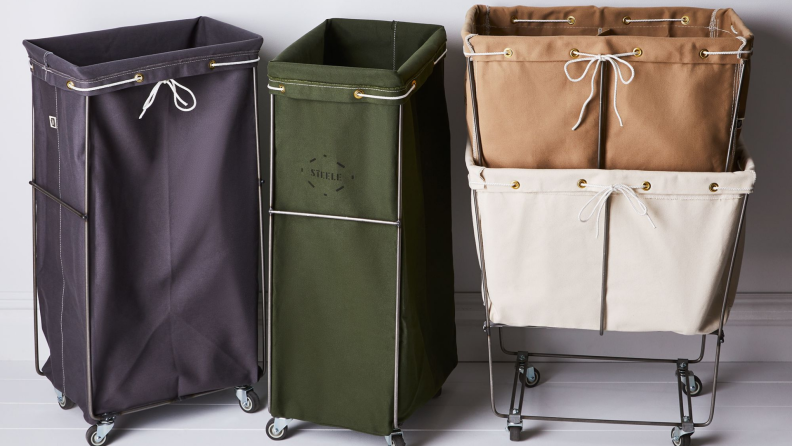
<point>713,187</point>
<point>582,184</point>
<point>212,64</point>
<point>514,19</point>
<point>647,185</point>
<point>139,78</point>
<point>70,85</point>
<point>515,185</point>
<point>508,52</point>
<point>358,94</point>
<point>571,20</point>
<point>703,54</point>
<point>626,20</point>
<point>282,88</point>
<point>685,20</point>
<point>574,53</point>
<point>637,52</point>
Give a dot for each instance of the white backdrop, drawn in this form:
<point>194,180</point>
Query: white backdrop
<point>766,281</point>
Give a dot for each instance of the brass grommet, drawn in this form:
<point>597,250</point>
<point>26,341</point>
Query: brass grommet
<point>508,52</point>
<point>515,185</point>
<point>574,53</point>
<point>647,185</point>
<point>414,82</point>
<point>70,85</point>
<point>571,20</point>
<point>713,187</point>
<point>637,52</point>
<point>703,54</point>
<point>685,20</point>
<point>582,184</point>
<point>514,19</point>
<point>282,88</point>
<point>139,78</point>
<point>626,20</point>
<point>211,64</point>
<point>358,94</point>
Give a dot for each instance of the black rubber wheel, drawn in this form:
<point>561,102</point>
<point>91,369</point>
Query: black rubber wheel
<point>535,382</point>
<point>398,440</point>
<point>253,403</point>
<point>90,437</point>
<point>439,392</point>
<point>270,429</point>
<point>684,440</point>
<point>697,391</point>
<point>514,433</point>
<point>65,403</point>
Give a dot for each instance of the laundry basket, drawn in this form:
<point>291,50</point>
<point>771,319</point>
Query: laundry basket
<point>361,310</point>
<point>618,250</point>
<point>658,89</point>
<point>146,221</point>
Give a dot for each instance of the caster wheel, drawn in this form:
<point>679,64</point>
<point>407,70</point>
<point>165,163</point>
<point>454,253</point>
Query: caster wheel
<point>535,381</point>
<point>91,437</point>
<point>684,440</point>
<point>253,404</point>
<point>398,440</point>
<point>439,392</point>
<point>698,387</point>
<point>65,403</point>
<point>514,433</point>
<point>271,431</point>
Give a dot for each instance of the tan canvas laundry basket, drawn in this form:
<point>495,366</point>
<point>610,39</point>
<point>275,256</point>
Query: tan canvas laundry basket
<point>670,243</point>
<point>672,76</point>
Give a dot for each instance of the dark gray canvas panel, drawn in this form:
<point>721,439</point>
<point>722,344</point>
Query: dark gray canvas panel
<point>172,213</point>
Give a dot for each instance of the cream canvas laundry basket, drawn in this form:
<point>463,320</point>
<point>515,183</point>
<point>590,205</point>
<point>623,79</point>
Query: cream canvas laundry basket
<point>622,250</point>
<point>660,89</point>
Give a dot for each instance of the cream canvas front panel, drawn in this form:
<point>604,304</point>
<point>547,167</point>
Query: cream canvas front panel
<point>543,266</point>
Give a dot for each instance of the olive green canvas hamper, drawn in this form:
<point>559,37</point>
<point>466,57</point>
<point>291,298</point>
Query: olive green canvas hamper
<point>360,310</point>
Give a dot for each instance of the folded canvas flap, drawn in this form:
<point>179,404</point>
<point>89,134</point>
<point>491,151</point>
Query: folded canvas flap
<point>661,183</point>
<point>707,29</point>
<point>154,52</point>
<point>342,56</point>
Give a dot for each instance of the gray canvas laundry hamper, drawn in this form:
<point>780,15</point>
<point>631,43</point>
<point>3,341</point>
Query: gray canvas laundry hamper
<point>146,219</point>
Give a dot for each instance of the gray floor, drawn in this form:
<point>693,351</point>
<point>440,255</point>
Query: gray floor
<point>754,407</point>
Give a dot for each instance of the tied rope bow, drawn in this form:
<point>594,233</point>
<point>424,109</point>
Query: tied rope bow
<point>176,98</point>
<point>602,196</point>
<point>596,60</point>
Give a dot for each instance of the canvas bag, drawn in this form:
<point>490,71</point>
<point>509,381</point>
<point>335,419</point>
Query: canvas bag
<point>541,245</point>
<point>169,210</point>
<point>343,96</point>
<point>678,109</point>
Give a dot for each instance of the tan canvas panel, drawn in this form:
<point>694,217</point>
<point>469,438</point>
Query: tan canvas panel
<point>677,108</point>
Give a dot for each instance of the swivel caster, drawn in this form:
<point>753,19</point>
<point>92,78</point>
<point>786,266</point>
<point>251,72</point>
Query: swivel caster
<point>276,428</point>
<point>96,435</point>
<point>63,401</point>
<point>514,433</point>
<point>395,439</point>
<point>532,377</point>
<point>697,387</point>
<point>678,438</point>
<point>248,399</point>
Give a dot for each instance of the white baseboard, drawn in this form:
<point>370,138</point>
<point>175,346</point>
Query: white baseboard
<point>759,329</point>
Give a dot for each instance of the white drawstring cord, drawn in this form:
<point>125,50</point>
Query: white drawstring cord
<point>224,64</point>
<point>362,95</point>
<point>596,60</point>
<point>441,56</point>
<point>136,78</point>
<point>602,196</point>
<point>628,20</point>
<point>474,53</point>
<point>176,98</point>
<point>539,21</point>
<point>282,89</point>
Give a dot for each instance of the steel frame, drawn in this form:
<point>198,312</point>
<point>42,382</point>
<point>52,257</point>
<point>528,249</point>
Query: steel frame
<point>398,224</point>
<point>107,418</point>
<point>686,425</point>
